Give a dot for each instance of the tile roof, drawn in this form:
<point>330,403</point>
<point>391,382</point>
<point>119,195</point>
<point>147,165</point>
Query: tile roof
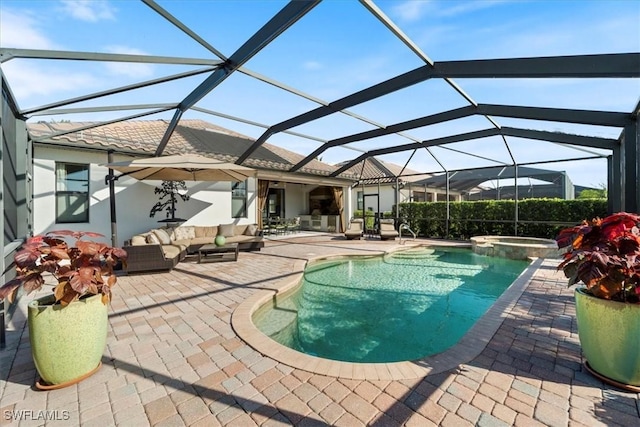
<point>190,136</point>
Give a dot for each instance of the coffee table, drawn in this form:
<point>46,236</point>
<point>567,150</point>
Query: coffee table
<point>214,253</point>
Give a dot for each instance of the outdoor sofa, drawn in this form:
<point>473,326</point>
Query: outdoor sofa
<point>162,249</point>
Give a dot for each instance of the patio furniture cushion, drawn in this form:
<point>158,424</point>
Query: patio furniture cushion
<point>239,238</point>
<point>251,230</point>
<point>204,240</point>
<point>171,251</point>
<point>387,230</point>
<point>183,233</point>
<point>162,236</point>
<point>186,242</point>
<point>206,231</point>
<point>226,230</point>
<point>355,229</point>
<point>140,239</point>
<point>153,239</point>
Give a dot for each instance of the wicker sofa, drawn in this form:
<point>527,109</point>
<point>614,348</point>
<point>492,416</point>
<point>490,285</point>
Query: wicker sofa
<point>163,248</point>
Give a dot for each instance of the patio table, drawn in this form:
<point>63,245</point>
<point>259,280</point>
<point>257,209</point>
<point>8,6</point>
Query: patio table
<point>214,253</point>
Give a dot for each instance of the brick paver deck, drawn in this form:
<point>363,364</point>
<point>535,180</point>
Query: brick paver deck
<point>173,359</point>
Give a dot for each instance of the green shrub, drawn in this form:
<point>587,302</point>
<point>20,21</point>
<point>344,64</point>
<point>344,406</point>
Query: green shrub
<point>536,217</point>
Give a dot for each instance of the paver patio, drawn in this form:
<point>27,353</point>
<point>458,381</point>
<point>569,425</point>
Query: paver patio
<point>173,359</point>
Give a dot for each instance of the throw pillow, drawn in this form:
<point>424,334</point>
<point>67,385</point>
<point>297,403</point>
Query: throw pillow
<point>226,230</point>
<point>138,240</point>
<point>151,238</point>
<point>163,236</point>
<point>172,232</point>
<point>251,230</point>
<point>184,233</point>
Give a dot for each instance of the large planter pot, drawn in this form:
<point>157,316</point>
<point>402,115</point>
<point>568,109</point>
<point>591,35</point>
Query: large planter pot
<point>609,334</point>
<point>67,342</point>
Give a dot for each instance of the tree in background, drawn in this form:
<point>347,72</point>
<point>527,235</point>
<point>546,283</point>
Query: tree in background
<point>594,193</point>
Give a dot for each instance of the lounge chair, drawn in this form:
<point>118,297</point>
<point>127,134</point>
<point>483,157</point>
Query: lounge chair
<point>387,230</point>
<point>355,229</point>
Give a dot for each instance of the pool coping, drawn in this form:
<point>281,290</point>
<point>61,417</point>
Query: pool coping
<point>468,348</point>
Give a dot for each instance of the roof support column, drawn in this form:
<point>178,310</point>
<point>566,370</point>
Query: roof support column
<point>614,178</point>
<point>111,178</point>
<point>397,197</point>
<point>631,168</point>
<point>515,186</point>
<point>448,208</point>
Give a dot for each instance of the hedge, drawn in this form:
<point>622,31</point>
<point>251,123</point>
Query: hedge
<point>536,217</point>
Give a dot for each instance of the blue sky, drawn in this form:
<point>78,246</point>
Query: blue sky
<point>336,49</point>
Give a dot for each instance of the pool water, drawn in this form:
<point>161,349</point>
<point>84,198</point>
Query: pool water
<point>402,306</point>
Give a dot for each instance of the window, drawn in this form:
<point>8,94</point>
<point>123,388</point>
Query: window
<point>239,199</point>
<point>360,200</point>
<point>72,193</point>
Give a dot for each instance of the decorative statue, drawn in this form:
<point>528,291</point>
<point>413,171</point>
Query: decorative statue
<point>169,191</point>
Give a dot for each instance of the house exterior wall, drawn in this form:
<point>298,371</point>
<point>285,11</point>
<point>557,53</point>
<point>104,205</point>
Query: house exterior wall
<point>295,200</point>
<point>209,204</point>
<point>387,196</point>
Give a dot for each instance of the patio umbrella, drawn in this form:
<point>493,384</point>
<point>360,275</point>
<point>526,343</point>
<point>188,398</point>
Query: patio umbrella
<point>181,167</point>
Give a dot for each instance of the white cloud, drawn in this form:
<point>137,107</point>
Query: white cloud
<point>28,82</point>
<point>312,65</point>
<point>467,7</point>
<point>562,36</point>
<point>89,10</point>
<point>412,10</point>
<point>22,31</point>
<point>127,68</point>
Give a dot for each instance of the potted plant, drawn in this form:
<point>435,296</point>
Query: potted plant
<point>604,255</point>
<point>68,329</point>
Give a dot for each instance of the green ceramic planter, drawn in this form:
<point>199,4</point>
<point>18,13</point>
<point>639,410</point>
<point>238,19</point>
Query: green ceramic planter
<point>609,334</point>
<point>67,343</point>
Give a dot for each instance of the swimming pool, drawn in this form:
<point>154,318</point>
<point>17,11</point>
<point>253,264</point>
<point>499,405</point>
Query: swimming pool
<point>404,305</point>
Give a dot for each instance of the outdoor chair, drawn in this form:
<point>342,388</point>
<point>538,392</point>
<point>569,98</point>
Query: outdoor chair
<point>387,230</point>
<point>293,224</point>
<point>274,225</point>
<point>355,229</point>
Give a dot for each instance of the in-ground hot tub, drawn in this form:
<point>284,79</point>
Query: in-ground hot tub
<point>514,247</point>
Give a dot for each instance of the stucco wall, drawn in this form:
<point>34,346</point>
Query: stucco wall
<point>209,204</point>
<point>295,200</point>
<point>387,196</point>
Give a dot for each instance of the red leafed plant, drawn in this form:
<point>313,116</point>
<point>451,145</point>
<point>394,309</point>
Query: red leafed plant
<point>604,254</point>
<point>80,270</point>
